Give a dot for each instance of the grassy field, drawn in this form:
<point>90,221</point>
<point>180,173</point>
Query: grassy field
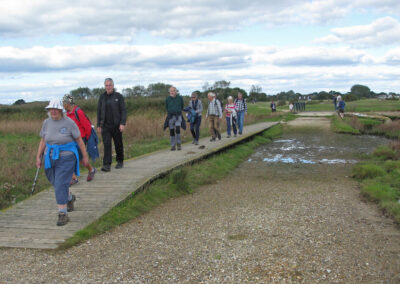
<point>20,127</point>
<point>179,182</point>
<point>369,105</point>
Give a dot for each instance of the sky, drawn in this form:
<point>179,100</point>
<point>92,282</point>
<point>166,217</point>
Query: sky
<point>48,48</point>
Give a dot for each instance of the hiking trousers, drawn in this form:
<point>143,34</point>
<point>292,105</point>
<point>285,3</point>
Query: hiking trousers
<point>195,128</point>
<point>60,174</point>
<point>108,134</point>
<point>213,124</point>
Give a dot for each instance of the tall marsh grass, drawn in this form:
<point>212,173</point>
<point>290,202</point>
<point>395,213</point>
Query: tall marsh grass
<point>144,133</point>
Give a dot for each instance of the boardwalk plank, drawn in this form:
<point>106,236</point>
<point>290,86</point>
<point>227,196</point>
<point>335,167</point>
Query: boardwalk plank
<point>32,223</point>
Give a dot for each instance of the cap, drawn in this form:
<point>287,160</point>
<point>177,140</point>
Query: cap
<point>68,99</point>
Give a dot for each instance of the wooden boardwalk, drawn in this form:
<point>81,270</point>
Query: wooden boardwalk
<point>32,223</point>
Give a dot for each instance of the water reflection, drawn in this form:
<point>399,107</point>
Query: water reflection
<point>332,149</point>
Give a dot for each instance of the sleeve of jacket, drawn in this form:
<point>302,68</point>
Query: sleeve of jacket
<point>86,125</point>
<point>122,109</point>
<point>99,106</point>
<point>199,107</point>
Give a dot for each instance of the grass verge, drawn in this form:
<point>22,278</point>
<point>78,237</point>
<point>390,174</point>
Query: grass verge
<point>380,179</point>
<point>343,126</point>
<point>179,182</point>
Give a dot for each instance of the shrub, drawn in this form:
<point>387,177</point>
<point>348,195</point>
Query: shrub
<point>281,103</point>
<point>390,165</point>
<point>380,192</point>
<point>389,129</point>
<point>395,146</point>
<point>385,153</point>
<point>350,98</point>
<point>368,171</point>
<point>355,123</point>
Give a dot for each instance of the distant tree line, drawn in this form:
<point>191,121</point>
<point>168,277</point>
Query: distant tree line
<point>223,89</point>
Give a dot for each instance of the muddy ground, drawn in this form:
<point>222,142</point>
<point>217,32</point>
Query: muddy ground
<point>271,220</point>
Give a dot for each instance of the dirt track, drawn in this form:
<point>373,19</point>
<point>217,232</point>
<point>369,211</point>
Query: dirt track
<point>264,223</point>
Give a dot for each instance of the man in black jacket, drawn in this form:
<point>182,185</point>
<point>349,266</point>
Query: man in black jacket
<point>111,120</point>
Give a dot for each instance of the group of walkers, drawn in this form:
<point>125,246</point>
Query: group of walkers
<point>235,111</point>
<point>68,137</point>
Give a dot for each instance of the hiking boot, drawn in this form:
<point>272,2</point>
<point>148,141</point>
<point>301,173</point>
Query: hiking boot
<point>73,181</point>
<point>228,136</point>
<point>70,204</point>
<point>119,165</point>
<point>62,219</point>
<point>179,147</point>
<point>91,175</point>
<point>212,139</point>
<point>219,136</point>
<point>106,168</point>
<point>173,148</point>
<point>196,142</point>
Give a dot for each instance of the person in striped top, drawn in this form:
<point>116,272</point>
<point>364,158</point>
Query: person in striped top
<point>241,109</point>
<point>230,114</point>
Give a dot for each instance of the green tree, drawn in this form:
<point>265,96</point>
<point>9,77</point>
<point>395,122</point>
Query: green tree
<point>19,102</point>
<point>361,91</point>
<point>221,84</point>
<point>158,90</point>
<point>136,91</point>
<point>81,93</point>
<point>96,92</point>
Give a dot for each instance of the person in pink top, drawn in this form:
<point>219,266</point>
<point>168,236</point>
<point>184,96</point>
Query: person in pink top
<point>231,116</point>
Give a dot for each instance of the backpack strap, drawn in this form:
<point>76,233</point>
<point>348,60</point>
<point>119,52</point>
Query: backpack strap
<point>77,117</point>
<point>76,114</point>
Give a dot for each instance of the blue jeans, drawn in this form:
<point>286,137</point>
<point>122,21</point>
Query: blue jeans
<point>59,175</point>
<point>229,126</point>
<point>195,128</point>
<point>240,120</point>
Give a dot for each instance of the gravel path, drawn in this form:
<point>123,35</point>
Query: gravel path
<point>261,224</point>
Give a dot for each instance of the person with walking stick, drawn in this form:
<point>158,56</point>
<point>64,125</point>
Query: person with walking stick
<point>59,145</point>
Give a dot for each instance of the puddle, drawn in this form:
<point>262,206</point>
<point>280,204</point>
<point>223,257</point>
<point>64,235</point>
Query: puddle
<point>317,148</point>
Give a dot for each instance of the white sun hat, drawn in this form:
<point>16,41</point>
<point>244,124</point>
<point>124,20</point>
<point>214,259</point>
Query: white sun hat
<point>55,103</point>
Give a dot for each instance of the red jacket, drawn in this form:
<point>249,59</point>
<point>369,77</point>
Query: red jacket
<point>84,124</point>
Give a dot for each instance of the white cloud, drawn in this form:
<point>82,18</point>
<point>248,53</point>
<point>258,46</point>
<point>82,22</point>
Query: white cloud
<point>200,55</point>
<point>40,73</point>
<point>383,31</point>
<point>112,20</point>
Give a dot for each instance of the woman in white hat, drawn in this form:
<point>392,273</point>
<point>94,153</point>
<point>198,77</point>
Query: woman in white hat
<point>59,144</point>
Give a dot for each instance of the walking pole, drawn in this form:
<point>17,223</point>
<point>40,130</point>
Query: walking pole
<point>36,176</point>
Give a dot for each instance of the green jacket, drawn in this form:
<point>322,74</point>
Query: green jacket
<point>174,105</point>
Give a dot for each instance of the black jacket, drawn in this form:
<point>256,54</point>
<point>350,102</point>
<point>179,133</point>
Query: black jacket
<point>118,109</point>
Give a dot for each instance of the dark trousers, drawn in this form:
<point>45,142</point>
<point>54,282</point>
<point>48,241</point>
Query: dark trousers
<point>115,134</point>
<point>195,128</point>
<point>229,126</point>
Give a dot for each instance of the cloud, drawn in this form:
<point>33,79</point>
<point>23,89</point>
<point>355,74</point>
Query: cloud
<point>121,20</point>
<point>383,31</point>
<point>40,73</point>
<point>185,56</point>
